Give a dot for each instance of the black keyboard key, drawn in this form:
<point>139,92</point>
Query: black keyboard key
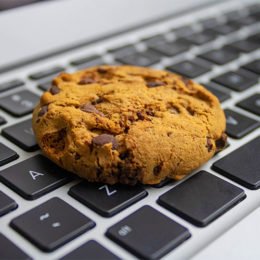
<point>251,104</point>
<point>202,198</point>
<point>2,120</point>
<point>86,62</point>
<point>244,46</point>
<point>6,205</point>
<point>220,94</point>
<point>155,40</point>
<point>189,69</point>
<point>46,73</point>
<point>225,29</point>
<point>6,155</point>
<point>171,48</point>
<point>253,66</point>
<point>45,86</point>
<point>22,135</point>
<point>246,21</point>
<point>148,234</point>
<point>255,38</point>
<point>90,250</point>
<point>242,165</point>
<point>20,103</point>
<point>162,183</point>
<point>254,8</point>
<point>143,59</point>
<point>11,84</point>
<point>239,125</point>
<point>236,80</point>
<point>209,23</point>
<point>234,15</point>
<point>107,200</point>
<point>123,51</point>
<point>52,224</point>
<point>221,56</point>
<point>183,31</point>
<point>200,38</point>
<point>9,251</point>
<point>34,177</point>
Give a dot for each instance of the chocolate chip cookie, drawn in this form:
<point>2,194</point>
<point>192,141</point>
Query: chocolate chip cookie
<point>123,124</point>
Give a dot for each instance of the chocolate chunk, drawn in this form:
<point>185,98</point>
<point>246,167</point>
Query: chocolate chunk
<point>221,142</point>
<point>90,109</point>
<point>54,90</point>
<point>153,84</point>
<point>87,80</point>
<point>150,113</point>
<point>102,70</point>
<point>77,156</point>
<point>209,144</point>
<point>98,101</point>
<point>102,139</point>
<point>157,169</point>
<point>124,155</point>
<point>140,115</point>
<point>131,119</point>
<point>43,110</point>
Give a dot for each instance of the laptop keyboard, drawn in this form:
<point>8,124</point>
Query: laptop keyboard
<point>52,209</point>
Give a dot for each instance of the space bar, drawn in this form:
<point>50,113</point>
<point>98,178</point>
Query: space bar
<point>240,242</point>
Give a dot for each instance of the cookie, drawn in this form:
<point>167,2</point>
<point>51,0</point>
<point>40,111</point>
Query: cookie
<point>123,124</point>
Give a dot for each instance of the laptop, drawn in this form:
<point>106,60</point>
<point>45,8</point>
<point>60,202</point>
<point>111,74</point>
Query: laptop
<point>211,214</point>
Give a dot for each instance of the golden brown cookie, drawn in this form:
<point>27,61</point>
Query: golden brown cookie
<point>128,124</point>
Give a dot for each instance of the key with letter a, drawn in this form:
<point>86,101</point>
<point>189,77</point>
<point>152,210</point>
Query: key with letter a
<point>34,177</point>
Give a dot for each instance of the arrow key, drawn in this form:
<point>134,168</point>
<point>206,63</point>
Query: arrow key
<point>239,125</point>
<point>34,177</point>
